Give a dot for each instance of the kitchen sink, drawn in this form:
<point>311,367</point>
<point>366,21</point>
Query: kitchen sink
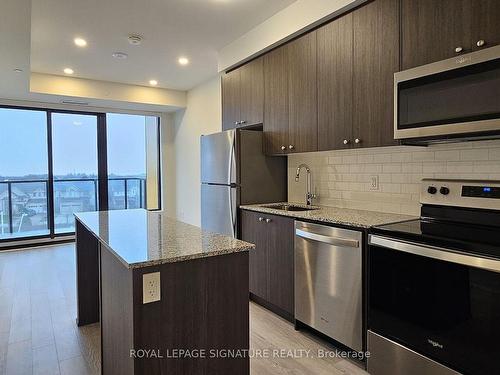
<point>289,207</point>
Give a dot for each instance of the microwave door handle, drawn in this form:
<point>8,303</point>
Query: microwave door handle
<point>435,253</point>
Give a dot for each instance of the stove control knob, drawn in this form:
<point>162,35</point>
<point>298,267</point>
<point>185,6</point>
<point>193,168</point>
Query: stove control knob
<point>444,190</point>
<point>432,190</point>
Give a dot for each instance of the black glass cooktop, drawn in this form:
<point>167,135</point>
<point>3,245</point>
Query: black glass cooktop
<point>476,239</point>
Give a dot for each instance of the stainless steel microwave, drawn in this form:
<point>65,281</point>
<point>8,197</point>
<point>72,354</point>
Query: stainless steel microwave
<point>457,98</point>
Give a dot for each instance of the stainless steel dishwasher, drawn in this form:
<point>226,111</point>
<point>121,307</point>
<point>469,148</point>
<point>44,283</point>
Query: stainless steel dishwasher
<point>328,281</point>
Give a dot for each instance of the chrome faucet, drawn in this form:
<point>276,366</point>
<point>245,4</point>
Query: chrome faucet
<point>309,195</point>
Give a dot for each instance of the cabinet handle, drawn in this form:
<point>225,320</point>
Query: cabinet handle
<point>480,43</point>
<point>346,141</point>
<point>268,220</point>
<point>261,219</point>
<point>357,141</point>
<point>458,49</point>
<point>291,147</point>
<point>283,148</point>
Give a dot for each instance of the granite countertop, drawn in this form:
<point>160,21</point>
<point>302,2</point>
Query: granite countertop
<point>141,238</point>
<point>332,215</point>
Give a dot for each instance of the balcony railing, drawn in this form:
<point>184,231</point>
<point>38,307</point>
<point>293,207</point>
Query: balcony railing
<point>25,208</point>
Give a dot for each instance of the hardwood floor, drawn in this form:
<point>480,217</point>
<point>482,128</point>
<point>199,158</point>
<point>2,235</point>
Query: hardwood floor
<point>38,334</point>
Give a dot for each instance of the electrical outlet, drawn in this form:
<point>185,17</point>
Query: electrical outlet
<point>151,287</point>
<point>374,183</point>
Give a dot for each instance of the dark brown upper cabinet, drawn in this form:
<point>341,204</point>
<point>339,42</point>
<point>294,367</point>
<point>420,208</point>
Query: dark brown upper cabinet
<point>302,94</point>
<point>290,97</point>
<point>243,95</point>
<point>434,30</point>
<point>231,100</point>
<point>335,64</point>
<point>276,106</point>
<point>485,23</point>
<point>375,60</point>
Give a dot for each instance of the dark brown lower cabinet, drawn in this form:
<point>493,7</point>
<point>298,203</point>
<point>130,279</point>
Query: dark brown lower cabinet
<point>271,268</point>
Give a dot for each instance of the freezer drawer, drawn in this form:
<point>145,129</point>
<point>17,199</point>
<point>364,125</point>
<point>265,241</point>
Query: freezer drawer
<point>328,281</point>
<point>218,209</point>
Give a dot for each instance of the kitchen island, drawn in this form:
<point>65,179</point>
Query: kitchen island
<point>199,325</point>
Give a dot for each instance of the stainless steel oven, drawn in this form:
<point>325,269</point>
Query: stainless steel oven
<point>449,99</point>
<point>434,285</point>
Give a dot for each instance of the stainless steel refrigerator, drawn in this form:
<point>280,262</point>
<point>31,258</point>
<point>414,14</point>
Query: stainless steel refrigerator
<point>235,171</point>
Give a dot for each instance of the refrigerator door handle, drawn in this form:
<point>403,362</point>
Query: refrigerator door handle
<point>232,160</point>
<point>232,209</point>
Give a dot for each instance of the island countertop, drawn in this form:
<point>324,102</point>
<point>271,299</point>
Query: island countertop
<point>141,238</point>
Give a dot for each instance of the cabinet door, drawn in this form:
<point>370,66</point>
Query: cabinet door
<point>275,101</point>
<point>231,98</point>
<point>431,30</point>
<point>252,92</point>
<point>303,94</point>
<point>485,23</point>
<point>376,59</point>
<point>255,231</point>
<point>335,84</point>
<point>280,243</point>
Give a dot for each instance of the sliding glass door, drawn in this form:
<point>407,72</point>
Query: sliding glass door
<point>75,171</point>
<point>56,163</point>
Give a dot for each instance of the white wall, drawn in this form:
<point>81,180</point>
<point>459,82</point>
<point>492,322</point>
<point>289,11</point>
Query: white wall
<point>298,17</point>
<point>53,88</point>
<point>181,150</point>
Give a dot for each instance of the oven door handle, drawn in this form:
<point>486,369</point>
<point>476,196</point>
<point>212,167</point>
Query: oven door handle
<point>435,253</point>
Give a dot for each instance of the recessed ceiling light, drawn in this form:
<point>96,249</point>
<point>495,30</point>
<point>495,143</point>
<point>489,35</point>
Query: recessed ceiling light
<point>153,82</point>
<point>119,55</point>
<point>135,39</point>
<point>183,60</point>
<point>68,71</point>
<point>80,42</point>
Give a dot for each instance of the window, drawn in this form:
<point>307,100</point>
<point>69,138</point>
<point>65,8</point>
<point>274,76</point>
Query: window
<point>51,169</point>
<point>23,173</point>
<point>74,158</point>
<point>132,160</point>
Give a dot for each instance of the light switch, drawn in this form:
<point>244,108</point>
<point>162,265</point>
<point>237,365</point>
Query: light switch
<point>151,287</point>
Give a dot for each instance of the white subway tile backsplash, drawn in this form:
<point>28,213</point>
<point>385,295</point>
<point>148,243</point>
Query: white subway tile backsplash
<point>423,155</point>
<point>391,168</point>
<point>343,178</point>
<point>349,159</point>
<point>474,154</point>
<point>382,158</point>
<point>445,155</point>
<point>494,154</point>
<point>459,167</point>
<point>434,167</point>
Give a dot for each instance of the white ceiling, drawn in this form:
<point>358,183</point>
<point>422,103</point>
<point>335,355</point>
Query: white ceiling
<point>171,28</point>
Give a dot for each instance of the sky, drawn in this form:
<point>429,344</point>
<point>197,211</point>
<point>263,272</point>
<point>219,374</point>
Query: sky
<point>23,143</point>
